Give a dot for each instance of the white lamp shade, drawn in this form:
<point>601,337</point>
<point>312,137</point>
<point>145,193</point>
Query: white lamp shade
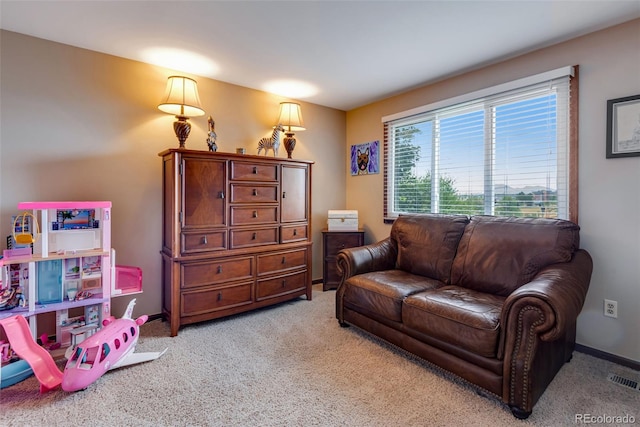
<point>291,116</point>
<point>181,97</point>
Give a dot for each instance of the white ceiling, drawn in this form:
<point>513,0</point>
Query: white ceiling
<point>352,52</point>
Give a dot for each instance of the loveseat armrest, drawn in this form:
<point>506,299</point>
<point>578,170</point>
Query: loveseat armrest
<point>561,290</point>
<point>363,259</point>
<point>538,322</point>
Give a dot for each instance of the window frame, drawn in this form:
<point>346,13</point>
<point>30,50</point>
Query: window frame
<point>569,103</point>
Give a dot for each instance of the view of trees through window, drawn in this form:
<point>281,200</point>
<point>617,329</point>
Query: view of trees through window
<point>495,159</point>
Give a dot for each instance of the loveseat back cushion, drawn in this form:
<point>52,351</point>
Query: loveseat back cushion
<point>499,254</point>
<point>427,243</point>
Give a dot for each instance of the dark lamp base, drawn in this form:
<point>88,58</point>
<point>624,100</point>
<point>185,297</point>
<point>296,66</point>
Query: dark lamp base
<point>289,143</point>
<point>182,128</point>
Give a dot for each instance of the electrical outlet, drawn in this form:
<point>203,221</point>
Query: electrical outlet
<point>611,308</point>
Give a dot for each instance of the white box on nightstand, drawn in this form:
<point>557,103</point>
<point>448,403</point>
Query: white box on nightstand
<point>342,220</point>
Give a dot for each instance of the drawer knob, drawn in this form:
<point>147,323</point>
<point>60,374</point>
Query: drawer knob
<point>255,235</point>
<point>284,283</point>
<point>204,240</point>
<point>255,214</point>
<point>284,260</point>
<point>295,232</point>
<point>255,170</point>
<point>255,192</point>
<point>219,296</point>
<point>219,269</point>
<point>284,194</point>
<point>222,194</point>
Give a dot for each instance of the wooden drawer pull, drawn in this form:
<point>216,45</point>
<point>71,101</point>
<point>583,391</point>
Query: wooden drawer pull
<point>284,194</point>
<point>222,194</point>
<point>284,259</point>
<point>255,170</point>
<point>204,240</point>
<point>255,236</point>
<point>295,232</point>
<point>255,192</point>
<point>219,269</point>
<point>219,296</point>
<point>255,214</point>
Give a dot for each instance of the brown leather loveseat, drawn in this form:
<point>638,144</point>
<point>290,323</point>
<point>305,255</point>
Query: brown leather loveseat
<point>493,300</point>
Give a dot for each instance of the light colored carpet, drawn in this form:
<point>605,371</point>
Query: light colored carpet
<point>293,365</point>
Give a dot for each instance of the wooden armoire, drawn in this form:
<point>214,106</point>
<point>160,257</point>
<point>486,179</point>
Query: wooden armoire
<point>236,233</point>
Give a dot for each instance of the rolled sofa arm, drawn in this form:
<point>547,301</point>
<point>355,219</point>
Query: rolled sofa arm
<point>559,289</point>
<point>538,329</point>
<point>363,259</point>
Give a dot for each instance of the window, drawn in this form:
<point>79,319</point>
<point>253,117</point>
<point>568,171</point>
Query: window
<point>503,151</point>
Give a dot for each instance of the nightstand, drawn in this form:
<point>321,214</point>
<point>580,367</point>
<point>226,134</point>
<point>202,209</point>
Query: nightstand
<point>332,243</point>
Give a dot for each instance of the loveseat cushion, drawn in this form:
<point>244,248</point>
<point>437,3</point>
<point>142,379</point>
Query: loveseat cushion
<point>459,316</point>
<point>499,254</point>
<point>427,243</point>
<point>382,292</point>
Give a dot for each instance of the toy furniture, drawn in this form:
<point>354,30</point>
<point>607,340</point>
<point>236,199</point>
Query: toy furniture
<point>236,233</point>
<point>492,300</point>
<point>72,253</point>
<point>71,264</point>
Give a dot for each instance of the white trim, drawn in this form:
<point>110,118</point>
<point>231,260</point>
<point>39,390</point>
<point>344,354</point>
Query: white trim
<point>525,81</point>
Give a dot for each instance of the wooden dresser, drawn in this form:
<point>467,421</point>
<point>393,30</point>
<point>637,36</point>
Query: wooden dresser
<point>236,233</point>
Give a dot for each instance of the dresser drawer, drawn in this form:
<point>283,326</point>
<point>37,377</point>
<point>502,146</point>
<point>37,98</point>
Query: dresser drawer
<point>262,172</point>
<point>243,238</point>
<point>282,261</point>
<point>254,215</point>
<point>294,233</point>
<point>342,241</point>
<point>203,241</point>
<point>281,285</point>
<point>244,193</point>
<point>195,274</point>
<point>208,300</point>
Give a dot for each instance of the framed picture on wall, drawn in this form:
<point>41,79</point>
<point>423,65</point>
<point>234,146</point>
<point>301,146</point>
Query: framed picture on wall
<point>365,158</point>
<point>623,127</point>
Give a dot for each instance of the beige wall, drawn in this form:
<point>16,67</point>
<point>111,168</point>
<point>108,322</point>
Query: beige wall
<point>76,124</point>
<point>81,125</point>
<point>609,194</point>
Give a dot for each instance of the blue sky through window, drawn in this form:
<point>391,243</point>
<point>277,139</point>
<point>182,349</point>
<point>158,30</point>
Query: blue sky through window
<point>524,151</point>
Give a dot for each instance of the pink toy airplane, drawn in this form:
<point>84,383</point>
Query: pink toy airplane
<point>110,348</point>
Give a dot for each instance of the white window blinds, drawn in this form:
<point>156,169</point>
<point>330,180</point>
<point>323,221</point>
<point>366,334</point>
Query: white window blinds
<point>503,153</point>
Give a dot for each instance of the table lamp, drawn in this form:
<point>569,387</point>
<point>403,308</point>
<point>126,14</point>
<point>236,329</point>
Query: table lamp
<point>181,99</point>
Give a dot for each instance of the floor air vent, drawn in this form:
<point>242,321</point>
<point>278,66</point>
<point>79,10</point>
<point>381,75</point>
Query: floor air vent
<point>626,382</point>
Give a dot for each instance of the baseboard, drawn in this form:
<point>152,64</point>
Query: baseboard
<point>608,356</point>
<point>154,317</point>
<point>316,281</point>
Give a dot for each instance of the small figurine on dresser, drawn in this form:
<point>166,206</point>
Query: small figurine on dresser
<point>211,139</point>
<point>272,143</point>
